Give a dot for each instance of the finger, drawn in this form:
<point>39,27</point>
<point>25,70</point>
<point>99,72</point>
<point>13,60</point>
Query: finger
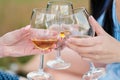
<point>91,56</point>
<point>106,61</point>
<point>97,57</point>
<point>35,51</point>
<point>80,49</point>
<point>103,61</point>
<point>98,29</point>
<point>54,27</point>
<point>14,36</point>
<point>86,42</point>
<point>20,33</point>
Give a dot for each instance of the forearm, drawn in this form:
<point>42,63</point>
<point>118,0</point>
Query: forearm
<point>117,53</point>
<point>2,48</point>
<point>1,51</point>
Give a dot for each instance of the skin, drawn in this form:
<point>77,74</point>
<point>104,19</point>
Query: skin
<point>102,48</point>
<point>17,43</point>
<point>75,72</point>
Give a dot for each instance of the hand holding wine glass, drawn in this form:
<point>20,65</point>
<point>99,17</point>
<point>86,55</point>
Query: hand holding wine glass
<point>82,29</point>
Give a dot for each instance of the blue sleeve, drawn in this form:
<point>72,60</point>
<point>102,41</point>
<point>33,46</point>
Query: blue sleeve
<point>8,76</point>
<point>112,72</point>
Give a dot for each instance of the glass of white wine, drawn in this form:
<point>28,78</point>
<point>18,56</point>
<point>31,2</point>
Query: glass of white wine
<point>43,39</point>
<point>60,8</point>
<point>82,29</point>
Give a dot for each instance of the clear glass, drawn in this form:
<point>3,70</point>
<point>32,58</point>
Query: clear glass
<point>43,39</point>
<point>60,8</point>
<point>82,29</point>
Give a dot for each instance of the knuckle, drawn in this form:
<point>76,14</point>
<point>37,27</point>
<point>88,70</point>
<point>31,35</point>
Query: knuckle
<point>99,49</point>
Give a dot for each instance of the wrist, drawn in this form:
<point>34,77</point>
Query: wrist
<point>1,51</point>
<point>4,48</point>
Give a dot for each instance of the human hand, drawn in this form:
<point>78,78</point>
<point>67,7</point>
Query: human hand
<point>61,40</point>
<point>17,43</point>
<point>102,48</point>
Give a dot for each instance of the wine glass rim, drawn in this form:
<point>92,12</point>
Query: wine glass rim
<point>43,10</point>
<point>40,9</point>
<point>82,9</point>
<point>79,8</point>
<point>52,1</point>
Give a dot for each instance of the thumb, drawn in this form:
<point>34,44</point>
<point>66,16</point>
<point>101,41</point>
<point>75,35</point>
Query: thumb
<point>14,36</point>
<point>98,29</point>
<point>20,32</point>
<point>24,30</point>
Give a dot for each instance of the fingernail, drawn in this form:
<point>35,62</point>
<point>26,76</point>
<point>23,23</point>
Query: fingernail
<point>86,59</point>
<point>27,27</point>
<point>91,17</point>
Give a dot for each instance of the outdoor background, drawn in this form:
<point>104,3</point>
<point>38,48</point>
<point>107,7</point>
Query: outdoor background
<point>15,14</point>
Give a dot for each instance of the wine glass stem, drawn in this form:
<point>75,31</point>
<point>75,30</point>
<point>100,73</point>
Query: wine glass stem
<point>92,66</point>
<point>58,55</point>
<point>41,63</point>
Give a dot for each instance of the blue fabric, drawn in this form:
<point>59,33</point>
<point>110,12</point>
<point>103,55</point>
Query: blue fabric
<point>100,19</point>
<point>105,5</point>
<point>112,70</point>
<point>116,23</point>
<point>8,76</point>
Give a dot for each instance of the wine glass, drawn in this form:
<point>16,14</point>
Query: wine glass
<point>82,29</point>
<point>60,8</point>
<point>43,39</point>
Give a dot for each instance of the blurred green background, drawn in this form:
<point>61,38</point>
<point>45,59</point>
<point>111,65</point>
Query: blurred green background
<point>15,14</point>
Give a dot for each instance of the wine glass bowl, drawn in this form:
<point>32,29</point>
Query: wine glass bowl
<point>83,29</point>
<point>61,8</point>
<point>43,39</point>
<point>81,25</point>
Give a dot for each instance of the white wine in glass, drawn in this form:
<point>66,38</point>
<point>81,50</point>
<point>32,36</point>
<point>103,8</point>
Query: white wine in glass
<point>43,39</point>
<point>60,8</point>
